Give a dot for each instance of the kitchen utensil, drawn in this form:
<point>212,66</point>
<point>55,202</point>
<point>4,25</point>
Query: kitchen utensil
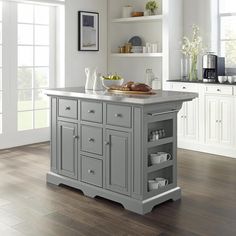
<point>222,79</point>
<point>137,13</point>
<point>153,185</point>
<point>162,182</point>
<point>109,83</point>
<point>89,72</point>
<point>127,11</point>
<point>136,41</point>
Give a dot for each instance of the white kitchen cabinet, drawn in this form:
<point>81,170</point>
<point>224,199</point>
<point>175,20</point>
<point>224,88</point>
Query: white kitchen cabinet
<point>207,123</point>
<point>219,115</point>
<point>188,121</point>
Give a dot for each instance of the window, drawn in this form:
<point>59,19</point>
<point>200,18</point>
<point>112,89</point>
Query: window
<point>227,31</point>
<point>33,66</point>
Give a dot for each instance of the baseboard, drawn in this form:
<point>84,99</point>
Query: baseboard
<point>206,148</point>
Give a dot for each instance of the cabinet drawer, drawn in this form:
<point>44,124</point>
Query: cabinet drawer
<point>91,171</point>
<point>91,139</point>
<point>119,115</point>
<point>91,111</point>
<point>224,90</point>
<point>68,108</point>
<point>185,87</point>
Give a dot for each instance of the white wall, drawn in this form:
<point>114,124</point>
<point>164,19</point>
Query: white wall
<point>202,13</point>
<point>76,61</point>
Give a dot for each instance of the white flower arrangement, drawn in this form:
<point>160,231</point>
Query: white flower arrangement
<point>192,48</point>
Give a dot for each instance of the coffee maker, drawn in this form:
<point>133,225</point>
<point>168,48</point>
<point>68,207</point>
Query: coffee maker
<point>212,67</point>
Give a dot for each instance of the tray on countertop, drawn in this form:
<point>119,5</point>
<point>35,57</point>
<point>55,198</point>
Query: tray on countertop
<point>131,92</point>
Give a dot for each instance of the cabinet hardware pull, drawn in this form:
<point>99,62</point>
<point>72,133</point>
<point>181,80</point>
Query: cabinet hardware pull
<point>76,137</point>
<point>91,172</point>
<point>218,90</point>
<point>182,116</point>
<point>91,111</point>
<point>184,87</point>
<point>118,115</point>
<point>217,121</point>
<point>220,121</point>
<point>91,140</point>
<point>68,108</point>
<point>162,113</point>
<point>107,143</point>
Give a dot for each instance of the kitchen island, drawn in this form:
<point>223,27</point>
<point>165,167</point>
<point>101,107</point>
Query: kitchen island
<point>101,143</point>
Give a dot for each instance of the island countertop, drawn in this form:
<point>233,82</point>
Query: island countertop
<point>160,96</point>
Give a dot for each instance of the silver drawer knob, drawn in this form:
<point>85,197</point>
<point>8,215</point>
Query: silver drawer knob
<point>118,115</point>
<point>91,172</point>
<point>67,108</point>
<point>75,137</point>
<point>91,140</point>
<point>91,111</point>
<point>107,143</point>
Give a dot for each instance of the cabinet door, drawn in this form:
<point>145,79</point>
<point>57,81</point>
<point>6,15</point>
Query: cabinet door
<point>118,161</point>
<point>191,119</point>
<point>181,116</point>
<point>212,120</point>
<point>68,149</point>
<point>225,120</point>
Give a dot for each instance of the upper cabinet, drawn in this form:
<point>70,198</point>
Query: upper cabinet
<point>157,30</point>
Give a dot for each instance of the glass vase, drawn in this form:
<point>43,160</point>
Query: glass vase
<point>193,72</point>
<point>184,68</point>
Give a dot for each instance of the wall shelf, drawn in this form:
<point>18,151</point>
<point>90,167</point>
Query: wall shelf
<point>137,54</point>
<point>138,19</point>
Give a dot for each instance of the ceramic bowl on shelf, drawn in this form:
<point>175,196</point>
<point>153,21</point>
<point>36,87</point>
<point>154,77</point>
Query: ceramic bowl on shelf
<point>107,83</point>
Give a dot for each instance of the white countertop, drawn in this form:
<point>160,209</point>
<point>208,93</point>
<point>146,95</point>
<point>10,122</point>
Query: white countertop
<point>159,97</point>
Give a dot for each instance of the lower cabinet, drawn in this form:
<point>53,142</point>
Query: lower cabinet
<point>219,113</point>
<point>68,149</point>
<point>118,161</point>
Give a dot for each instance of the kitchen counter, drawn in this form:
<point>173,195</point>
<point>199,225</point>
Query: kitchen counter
<point>101,144</point>
<point>200,82</point>
<point>159,97</point>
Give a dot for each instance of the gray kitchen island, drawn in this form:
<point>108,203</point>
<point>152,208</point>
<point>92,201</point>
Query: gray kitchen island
<point>101,143</point>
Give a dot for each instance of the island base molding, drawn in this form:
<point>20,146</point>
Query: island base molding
<point>138,206</point>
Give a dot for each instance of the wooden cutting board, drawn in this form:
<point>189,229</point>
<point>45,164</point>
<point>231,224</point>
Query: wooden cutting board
<point>131,92</point>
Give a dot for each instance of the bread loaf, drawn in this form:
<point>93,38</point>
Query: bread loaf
<point>140,87</point>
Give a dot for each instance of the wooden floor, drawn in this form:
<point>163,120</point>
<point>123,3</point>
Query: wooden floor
<point>28,206</point>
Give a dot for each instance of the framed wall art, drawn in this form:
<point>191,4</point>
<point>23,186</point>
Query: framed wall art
<point>88,31</point>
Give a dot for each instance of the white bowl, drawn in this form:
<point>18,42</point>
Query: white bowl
<point>231,79</point>
<point>109,83</point>
<point>222,79</point>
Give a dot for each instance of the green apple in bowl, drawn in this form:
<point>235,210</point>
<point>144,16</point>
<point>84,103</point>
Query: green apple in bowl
<point>112,80</point>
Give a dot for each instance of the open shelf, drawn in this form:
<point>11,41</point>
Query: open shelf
<point>137,54</point>
<point>162,165</point>
<point>160,142</point>
<point>138,19</point>
<point>160,190</point>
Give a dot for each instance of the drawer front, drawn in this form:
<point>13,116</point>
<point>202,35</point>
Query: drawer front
<point>223,90</point>
<point>91,139</point>
<point>68,108</point>
<point>91,171</point>
<point>91,111</point>
<point>119,115</point>
<point>185,87</point>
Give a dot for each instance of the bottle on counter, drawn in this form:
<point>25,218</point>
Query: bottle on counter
<point>149,77</point>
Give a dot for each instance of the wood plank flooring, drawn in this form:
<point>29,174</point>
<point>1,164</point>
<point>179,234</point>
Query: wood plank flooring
<point>29,206</point>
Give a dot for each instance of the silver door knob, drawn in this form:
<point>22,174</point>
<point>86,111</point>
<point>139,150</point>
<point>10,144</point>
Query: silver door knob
<point>91,111</point>
<point>118,115</point>
<point>75,137</point>
<point>67,108</point>
<point>107,143</point>
<point>91,172</point>
<point>91,140</point>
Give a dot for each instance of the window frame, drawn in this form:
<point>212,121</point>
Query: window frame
<point>230,70</point>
